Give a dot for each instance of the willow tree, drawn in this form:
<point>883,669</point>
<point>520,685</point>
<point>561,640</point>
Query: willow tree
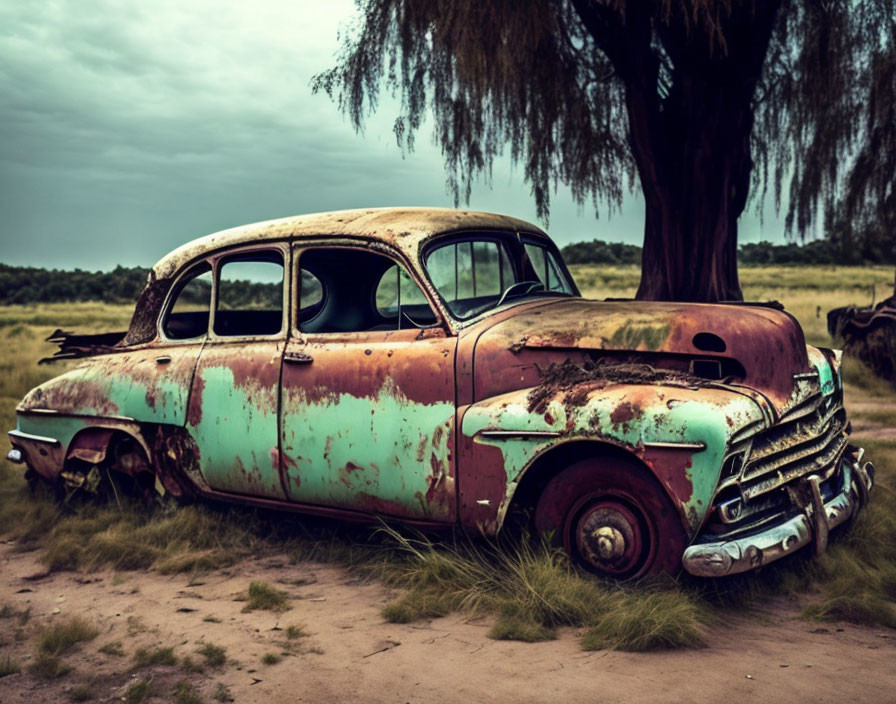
<point>697,101</point>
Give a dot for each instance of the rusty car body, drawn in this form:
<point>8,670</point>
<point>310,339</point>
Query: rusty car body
<point>440,367</point>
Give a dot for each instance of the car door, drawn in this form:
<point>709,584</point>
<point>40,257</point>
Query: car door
<point>233,414</point>
<point>368,392</point>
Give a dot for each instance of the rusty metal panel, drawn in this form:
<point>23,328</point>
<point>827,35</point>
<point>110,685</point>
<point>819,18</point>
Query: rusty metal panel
<point>148,384</point>
<point>404,228</point>
<point>766,343</point>
<point>368,423</point>
<point>681,434</point>
<point>233,416</point>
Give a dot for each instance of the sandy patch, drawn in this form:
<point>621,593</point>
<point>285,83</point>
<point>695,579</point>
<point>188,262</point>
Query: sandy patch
<point>352,655</point>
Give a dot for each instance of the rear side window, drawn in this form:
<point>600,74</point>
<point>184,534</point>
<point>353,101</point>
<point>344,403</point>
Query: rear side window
<point>250,295</point>
<point>187,317</point>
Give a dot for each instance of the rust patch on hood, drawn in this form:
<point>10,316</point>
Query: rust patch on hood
<point>760,347</point>
<point>578,380</point>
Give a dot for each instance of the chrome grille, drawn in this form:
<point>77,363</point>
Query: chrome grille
<point>810,438</point>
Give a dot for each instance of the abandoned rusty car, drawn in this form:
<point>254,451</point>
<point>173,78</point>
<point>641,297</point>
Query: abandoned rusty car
<point>440,367</point>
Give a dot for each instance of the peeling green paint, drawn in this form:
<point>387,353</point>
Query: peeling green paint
<point>663,415</point>
<point>825,373</point>
<point>131,385</point>
<point>61,428</point>
<point>237,435</point>
<point>386,450</point>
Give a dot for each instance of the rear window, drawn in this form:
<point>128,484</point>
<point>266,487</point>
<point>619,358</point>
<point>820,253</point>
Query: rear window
<point>187,317</point>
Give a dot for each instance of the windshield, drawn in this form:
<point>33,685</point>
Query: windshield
<point>476,273</point>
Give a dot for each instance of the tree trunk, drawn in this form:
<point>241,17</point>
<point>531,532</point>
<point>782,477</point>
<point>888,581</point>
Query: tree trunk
<point>689,100</point>
<point>694,193</point>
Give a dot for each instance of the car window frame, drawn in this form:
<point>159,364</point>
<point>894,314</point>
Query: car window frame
<point>171,297</point>
<point>396,256</point>
<point>214,259</point>
<point>514,238</point>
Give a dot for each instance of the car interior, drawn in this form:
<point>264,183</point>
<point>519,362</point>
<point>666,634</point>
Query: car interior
<point>354,290</point>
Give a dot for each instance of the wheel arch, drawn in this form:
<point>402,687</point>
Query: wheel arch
<point>531,482</point>
<point>92,444</point>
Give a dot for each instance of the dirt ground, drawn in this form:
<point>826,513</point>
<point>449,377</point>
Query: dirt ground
<point>352,655</point>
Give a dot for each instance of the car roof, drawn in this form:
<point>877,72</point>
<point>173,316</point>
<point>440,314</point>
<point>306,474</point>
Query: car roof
<point>405,228</point>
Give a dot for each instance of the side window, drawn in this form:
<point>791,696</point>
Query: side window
<point>250,295</point>
<point>187,317</point>
<point>546,268</point>
<point>470,275</point>
<point>400,299</point>
<point>355,290</point>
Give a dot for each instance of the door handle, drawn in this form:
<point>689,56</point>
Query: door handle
<point>164,359</point>
<point>298,358</point>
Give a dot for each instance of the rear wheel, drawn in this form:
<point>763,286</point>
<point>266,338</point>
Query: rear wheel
<point>613,519</point>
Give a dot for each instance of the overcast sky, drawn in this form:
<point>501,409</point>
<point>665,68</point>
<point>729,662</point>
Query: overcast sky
<point>129,128</point>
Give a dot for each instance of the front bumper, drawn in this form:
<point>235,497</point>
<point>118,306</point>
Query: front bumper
<point>725,557</point>
<point>44,455</point>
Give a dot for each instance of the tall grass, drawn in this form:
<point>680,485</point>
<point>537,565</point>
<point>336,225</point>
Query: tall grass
<point>532,589</point>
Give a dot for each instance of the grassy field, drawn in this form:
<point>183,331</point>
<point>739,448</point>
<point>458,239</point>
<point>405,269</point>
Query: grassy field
<point>528,589</point>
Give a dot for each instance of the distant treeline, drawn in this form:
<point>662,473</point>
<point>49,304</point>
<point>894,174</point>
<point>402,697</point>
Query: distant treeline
<point>817,252</point>
<point>26,284</point>
<point>21,284</point>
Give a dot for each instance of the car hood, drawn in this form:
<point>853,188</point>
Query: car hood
<point>756,346</point>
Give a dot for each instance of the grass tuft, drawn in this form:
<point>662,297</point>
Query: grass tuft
<point>295,632</point>
<point>187,664</point>
<point>81,693</point>
<point>198,562</point>
<point>264,597</point>
<point>215,656</point>
<point>147,657</point>
<point>655,621</point>
<point>515,626</point>
<point>8,666</point>
<point>61,637</point>
<point>48,667</point>
<point>114,648</point>
<point>139,692</point>
<point>532,589</point>
<point>222,694</point>
<point>864,608</point>
<point>418,605</point>
<point>186,693</point>
<point>270,659</point>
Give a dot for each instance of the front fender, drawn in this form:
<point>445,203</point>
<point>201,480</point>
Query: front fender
<point>679,433</point>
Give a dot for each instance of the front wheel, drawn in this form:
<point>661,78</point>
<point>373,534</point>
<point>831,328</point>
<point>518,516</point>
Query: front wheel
<point>613,519</point>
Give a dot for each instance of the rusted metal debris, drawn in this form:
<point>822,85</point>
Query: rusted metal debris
<point>440,367</point>
<point>72,346</point>
<point>869,334</point>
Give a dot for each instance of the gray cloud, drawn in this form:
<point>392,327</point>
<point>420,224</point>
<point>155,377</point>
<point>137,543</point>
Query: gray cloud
<point>131,128</point>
